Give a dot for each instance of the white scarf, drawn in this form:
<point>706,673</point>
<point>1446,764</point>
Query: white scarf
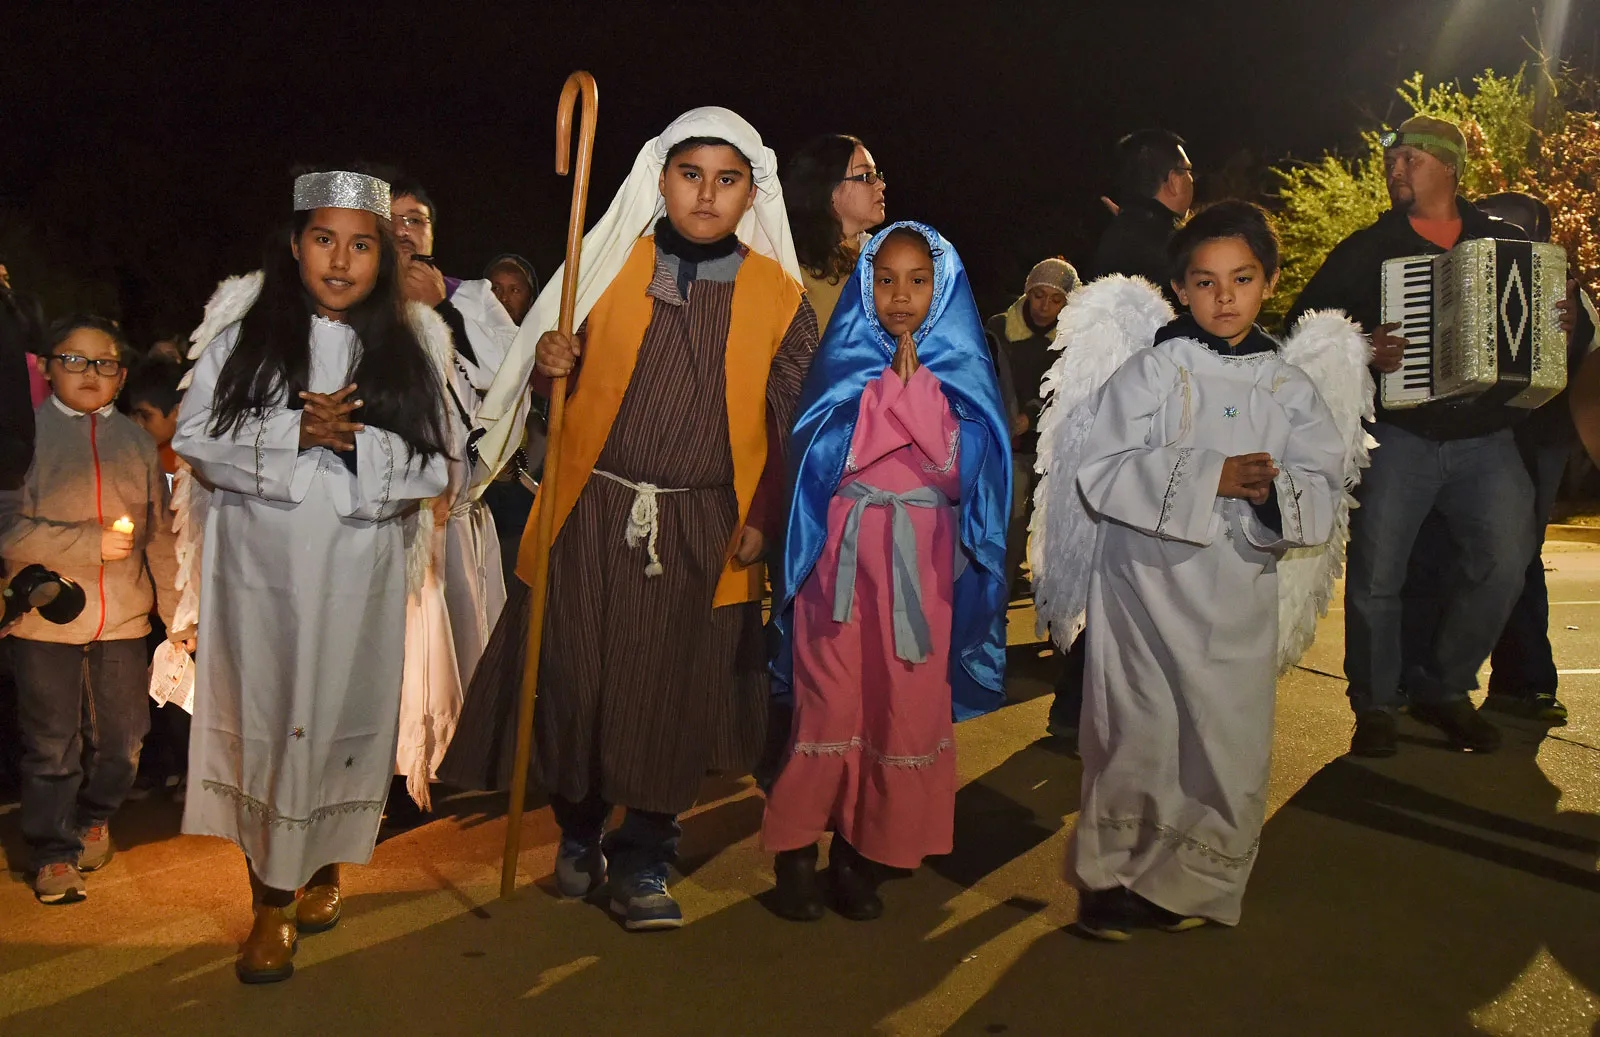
<point>633,213</point>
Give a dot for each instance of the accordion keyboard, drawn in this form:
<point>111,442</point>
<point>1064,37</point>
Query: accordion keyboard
<point>1408,301</point>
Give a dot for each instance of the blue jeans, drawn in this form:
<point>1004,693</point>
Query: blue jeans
<point>644,840</point>
<point>83,717</point>
<point>1523,663</point>
<point>1482,493</point>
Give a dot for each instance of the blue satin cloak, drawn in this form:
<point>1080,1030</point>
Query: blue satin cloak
<point>854,350</point>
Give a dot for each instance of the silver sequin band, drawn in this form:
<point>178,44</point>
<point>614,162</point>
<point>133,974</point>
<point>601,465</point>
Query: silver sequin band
<point>341,190</point>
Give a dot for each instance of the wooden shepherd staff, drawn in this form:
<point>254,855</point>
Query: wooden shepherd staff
<point>579,83</point>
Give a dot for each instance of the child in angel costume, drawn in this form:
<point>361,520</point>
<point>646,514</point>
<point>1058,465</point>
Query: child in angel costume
<point>317,417</point>
<point>1193,512</point>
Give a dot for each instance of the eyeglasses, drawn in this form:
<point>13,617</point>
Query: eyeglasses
<point>872,176</point>
<point>72,363</point>
<point>413,222</point>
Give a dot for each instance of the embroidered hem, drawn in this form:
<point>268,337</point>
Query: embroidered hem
<point>949,461</point>
<point>859,744</point>
<point>271,815</point>
<point>1177,840</point>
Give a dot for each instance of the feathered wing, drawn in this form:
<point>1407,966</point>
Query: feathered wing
<point>1103,324</point>
<point>1330,348</point>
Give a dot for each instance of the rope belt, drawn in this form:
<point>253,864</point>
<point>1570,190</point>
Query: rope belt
<point>644,518</point>
<point>911,639</point>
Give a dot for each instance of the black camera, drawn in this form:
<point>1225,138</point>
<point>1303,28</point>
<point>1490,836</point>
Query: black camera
<point>58,599</point>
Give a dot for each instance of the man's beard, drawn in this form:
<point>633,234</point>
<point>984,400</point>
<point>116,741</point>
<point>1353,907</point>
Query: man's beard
<point>1402,197</point>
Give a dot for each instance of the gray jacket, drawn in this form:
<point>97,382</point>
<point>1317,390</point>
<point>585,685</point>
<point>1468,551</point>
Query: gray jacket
<point>88,471</point>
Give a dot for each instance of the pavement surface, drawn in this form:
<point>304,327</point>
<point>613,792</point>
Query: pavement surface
<point>1436,893</point>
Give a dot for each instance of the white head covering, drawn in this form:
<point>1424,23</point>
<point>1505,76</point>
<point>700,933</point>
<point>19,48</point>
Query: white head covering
<point>633,213</point>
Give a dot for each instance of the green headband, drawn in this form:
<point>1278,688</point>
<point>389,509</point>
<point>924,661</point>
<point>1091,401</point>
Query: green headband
<point>1424,142</point>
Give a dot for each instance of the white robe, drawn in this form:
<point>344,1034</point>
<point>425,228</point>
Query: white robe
<point>302,625</point>
<point>1176,733</point>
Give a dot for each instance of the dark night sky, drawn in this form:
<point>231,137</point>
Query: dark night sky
<point>150,144</point>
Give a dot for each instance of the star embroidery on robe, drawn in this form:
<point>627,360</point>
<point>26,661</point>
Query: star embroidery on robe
<point>1230,412</point>
<point>349,761</point>
<point>298,732</point>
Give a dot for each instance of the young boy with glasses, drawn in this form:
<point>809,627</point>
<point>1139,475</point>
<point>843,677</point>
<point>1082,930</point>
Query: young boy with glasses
<point>93,508</point>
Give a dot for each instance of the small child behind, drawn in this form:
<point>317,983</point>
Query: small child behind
<point>152,397</point>
<point>1209,457</point>
<point>93,508</point>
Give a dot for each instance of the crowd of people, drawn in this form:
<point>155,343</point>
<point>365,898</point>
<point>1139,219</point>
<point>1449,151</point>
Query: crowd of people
<point>317,518</point>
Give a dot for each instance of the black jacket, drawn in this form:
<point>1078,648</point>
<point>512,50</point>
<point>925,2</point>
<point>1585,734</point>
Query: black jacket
<point>16,402</point>
<point>1351,280</point>
<point>1136,244</point>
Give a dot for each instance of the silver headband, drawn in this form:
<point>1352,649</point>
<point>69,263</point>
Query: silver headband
<point>341,190</point>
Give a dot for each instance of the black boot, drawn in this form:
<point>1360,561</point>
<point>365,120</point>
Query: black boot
<point>854,883</point>
<point>798,897</point>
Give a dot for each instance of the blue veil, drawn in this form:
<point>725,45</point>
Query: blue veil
<point>855,350</point>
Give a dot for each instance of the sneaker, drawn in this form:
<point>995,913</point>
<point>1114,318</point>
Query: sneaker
<point>1545,709</point>
<point>59,883</point>
<point>1376,734</point>
<point>1168,921</point>
<point>580,868</point>
<point>644,903</point>
<point>1108,914</point>
<point>97,850</point>
<point>1461,724</point>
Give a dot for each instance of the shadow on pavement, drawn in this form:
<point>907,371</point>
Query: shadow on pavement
<point>1371,911</point>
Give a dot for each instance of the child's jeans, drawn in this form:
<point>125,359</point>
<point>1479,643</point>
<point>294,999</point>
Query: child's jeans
<point>83,717</point>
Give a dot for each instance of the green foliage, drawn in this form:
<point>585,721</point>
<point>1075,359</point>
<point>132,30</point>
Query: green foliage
<point>1322,202</point>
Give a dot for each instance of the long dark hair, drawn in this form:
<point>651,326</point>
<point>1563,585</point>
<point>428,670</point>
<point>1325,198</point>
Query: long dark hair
<point>271,363</point>
<point>814,171</point>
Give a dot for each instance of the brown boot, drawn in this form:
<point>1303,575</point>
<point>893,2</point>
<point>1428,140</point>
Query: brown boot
<point>317,910</point>
<point>268,952</point>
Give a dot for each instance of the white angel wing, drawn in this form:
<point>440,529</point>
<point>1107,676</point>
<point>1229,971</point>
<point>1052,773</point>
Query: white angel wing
<point>1330,348</point>
<point>1103,324</point>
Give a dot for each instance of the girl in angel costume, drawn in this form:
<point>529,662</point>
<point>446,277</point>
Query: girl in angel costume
<point>317,416</point>
<point>1180,515</point>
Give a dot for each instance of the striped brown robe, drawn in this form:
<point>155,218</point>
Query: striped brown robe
<point>643,686</point>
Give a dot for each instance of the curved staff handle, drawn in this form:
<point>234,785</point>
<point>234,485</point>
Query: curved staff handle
<point>579,84</point>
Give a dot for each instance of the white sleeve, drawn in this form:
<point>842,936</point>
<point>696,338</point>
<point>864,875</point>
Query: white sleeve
<point>1310,472</point>
<point>260,456</point>
<point>388,478</point>
<point>1167,491</point>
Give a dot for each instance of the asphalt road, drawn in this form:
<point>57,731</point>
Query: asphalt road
<point>1432,894</point>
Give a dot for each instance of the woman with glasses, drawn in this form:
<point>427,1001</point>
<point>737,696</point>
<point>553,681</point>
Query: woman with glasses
<point>834,192</point>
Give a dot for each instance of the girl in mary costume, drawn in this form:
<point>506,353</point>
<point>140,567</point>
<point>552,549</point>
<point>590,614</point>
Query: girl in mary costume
<point>890,602</point>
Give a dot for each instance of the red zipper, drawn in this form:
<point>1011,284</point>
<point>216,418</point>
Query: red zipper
<point>99,510</point>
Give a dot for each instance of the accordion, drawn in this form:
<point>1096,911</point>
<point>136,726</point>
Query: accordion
<point>1481,322</point>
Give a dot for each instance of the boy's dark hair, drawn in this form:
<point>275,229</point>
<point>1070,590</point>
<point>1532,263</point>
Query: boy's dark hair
<point>271,361</point>
<point>808,183</point>
<point>1228,219</point>
<point>1144,161</point>
<point>154,380</point>
<point>63,329</point>
<point>690,143</point>
<point>401,184</point>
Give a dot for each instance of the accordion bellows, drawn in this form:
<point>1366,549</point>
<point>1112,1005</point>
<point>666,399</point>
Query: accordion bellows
<point>1481,321</point>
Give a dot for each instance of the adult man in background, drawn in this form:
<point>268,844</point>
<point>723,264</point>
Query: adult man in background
<point>1155,190</point>
<point>1457,457</point>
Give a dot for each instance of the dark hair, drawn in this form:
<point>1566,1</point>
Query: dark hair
<point>907,234</point>
<point>271,362</point>
<point>1526,211</point>
<point>401,184</point>
<point>515,262</point>
<point>1228,219</point>
<point>690,143</point>
<point>63,329</point>
<point>1144,161</point>
<point>154,380</point>
<point>814,171</point>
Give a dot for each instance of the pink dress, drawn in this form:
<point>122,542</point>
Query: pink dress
<point>873,754</point>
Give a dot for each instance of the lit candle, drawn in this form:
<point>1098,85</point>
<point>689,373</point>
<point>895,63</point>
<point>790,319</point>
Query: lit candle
<point>123,525</point>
